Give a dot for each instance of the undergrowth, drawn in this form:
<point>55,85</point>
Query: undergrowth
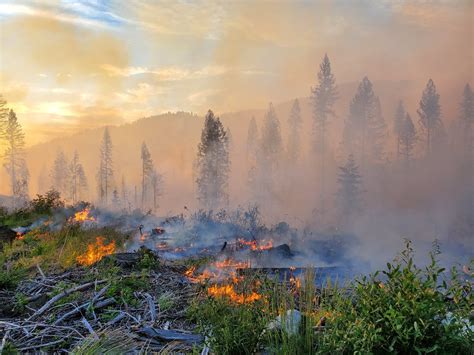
<point>402,309</point>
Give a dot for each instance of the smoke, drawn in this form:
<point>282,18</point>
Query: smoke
<point>66,80</point>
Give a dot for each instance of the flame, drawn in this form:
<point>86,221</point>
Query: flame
<point>96,251</point>
<point>162,245</point>
<point>83,216</point>
<point>223,270</point>
<point>229,292</point>
<point>20,236</point>
<point>254,246</point>
<point>229,263</point>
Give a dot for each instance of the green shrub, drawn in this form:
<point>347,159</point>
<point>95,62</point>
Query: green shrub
<point>404,311</point>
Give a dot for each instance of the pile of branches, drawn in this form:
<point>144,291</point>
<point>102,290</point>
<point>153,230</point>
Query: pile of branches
<point>40,316</point>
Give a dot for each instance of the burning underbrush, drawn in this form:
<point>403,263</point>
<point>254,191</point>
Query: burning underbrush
<point>222,282</point>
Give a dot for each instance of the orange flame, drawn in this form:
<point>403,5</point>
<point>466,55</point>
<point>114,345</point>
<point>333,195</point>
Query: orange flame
<point>83,216</point>
<point>253,244</point>
<point>20,236</point>
<point>229,292</point>
<point>96,251</point>
<point>229,263</point>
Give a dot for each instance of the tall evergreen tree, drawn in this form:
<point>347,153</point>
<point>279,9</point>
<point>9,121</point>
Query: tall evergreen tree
<point>252,141</point>
<point>15,158</point>
<point>430,114</point>
<point>294,124</point>
<point>323,97</point>
<point>269,155</point>
<point>406,139</point>
<point>156,182</point>
<point>147,172</point>
<point>4,114</point>
<point>105,174</point>
<point>377,132</point>
<point>22,185</point>
<point>349,199</point>
<point>213,164</point>
<point>77,179</point>
<point>60,174</point>
<point>398,124</point>
<point>271,143</point>
<point>467,120</point>
<point>365,127</point>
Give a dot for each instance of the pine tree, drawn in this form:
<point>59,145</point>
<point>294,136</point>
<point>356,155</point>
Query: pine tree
<point>124,191</point>
<point>323,98</point>
<point>467,119</point>
<point>77,179</point>
<point>4,114</point>
<point>22,185</point>
<point>15,159</point>
<point>269,156</point>
<point>60,175</point>
<point>377,132</point>
<point>252,141</point>
<point>349,193</point>
<point>365,127</point>
<point>406,139</point>
<point>271,143</point>
<point>156,181</point>
<point>116,199</point>
<point>398,121</point>
<point>147,172</point>
<point>213,164</point>
<point>294,124</point>
<point>105,174</point>
<point>430,114</point>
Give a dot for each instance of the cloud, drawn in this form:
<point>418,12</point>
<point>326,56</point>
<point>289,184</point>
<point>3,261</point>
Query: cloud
<point>167,74</point>
<point>60,50</point>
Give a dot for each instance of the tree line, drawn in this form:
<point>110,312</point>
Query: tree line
<point>363,145</point>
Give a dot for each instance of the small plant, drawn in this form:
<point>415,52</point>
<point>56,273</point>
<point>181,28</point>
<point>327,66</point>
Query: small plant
<point>165,301</point>
<point>405,311</point>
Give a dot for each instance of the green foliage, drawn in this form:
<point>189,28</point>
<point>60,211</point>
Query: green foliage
<point>404,311</point>
<point>41,206</point>
<point>9,349</point>
<point>123,288</point>
<point>231,328</point>
<point>166,301</point>
<point>45,204</point>
<point>20,302</point>
<point>148,260</point>
<point>53,251</point>
<point>10,278</point>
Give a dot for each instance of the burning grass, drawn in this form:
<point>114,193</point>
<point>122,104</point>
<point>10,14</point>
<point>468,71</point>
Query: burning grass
<point>96,251</point>
<point>83,216</point>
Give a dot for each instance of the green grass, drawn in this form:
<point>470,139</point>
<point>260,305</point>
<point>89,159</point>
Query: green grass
<point>52,251</point>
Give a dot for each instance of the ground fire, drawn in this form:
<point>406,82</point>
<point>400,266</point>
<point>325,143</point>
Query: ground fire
<point>96,251</point>
<point>83,216</point>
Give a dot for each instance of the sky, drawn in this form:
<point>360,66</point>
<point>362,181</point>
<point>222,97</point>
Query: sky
<point>66,66</point>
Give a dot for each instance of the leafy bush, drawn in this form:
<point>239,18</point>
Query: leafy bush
<point>403,312</point>
<point>44,204</point>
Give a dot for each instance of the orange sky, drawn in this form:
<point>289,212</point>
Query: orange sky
<point>67,65</point>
